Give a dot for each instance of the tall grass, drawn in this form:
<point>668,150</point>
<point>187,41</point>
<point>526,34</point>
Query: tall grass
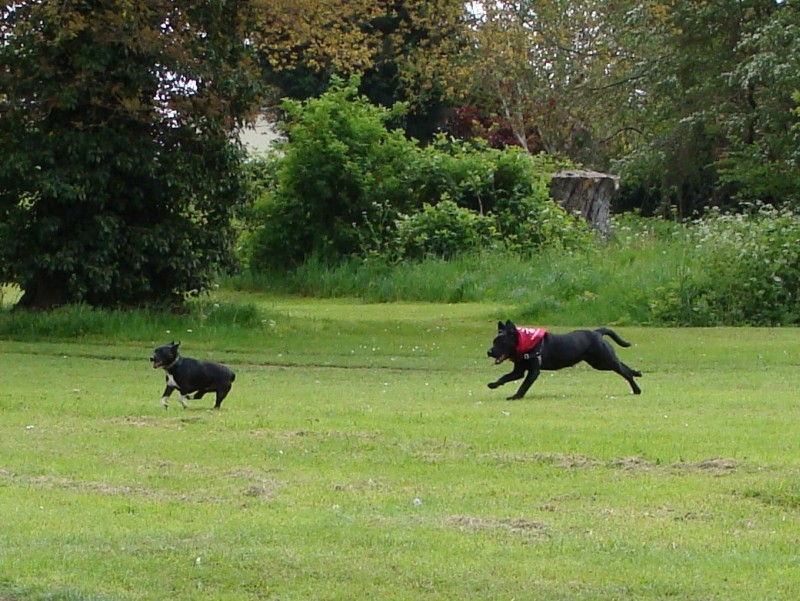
<point>610,282</point>
<point>83,321</point>
<point>721,270</point>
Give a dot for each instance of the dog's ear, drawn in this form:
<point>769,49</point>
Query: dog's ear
<point>510,327</point>
<point>500,326</point>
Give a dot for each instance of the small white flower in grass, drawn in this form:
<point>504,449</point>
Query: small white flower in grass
<point>417,501</point>
<point>169,331</point>
<point>189,331</point>
<point>30,427</point>
<point>197,561</point>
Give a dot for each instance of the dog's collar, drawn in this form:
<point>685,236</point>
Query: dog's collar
<point>538,356</point>
<point>173,364</point>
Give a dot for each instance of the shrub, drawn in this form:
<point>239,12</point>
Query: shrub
<point>527,224</point>
<point>509,186</point>
<point>346,186</point>
<point>443,230</point>
<point>462,172</point>
<point>477,177</point>
<point>341,172</point>
<point>745,269</point>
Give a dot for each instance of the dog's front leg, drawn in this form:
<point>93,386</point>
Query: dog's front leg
<point>515,374</point>
<point>533,373</point>
<point>165,396</point>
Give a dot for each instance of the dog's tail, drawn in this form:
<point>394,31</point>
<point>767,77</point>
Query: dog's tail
<point>613,335</point>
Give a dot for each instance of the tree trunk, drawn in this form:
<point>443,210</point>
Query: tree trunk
<point>586,192</point>
<point>42,295</point>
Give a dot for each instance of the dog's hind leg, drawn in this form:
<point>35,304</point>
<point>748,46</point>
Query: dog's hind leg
<point>221,394</point>
<point>608,361</point>
<point>628,373</point>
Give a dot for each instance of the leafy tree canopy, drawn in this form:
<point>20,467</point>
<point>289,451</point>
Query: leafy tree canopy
<point>402,51</point>
<point>119,177</point>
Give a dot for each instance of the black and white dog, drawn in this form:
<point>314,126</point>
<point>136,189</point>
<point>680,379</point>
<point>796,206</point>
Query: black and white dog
<point>535,349</point>
<point>189,376</point>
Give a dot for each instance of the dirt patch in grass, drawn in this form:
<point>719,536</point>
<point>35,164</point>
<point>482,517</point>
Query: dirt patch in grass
<point>261,491</point>
<point>312,434</point>
<point>529,529</point>
<point>635,463</point>
<point>565,460</point>
<point>84,486</point>
<point>134,492</point>
<point>149,421</point>
<point>368,484</point>
<point>718,466</point>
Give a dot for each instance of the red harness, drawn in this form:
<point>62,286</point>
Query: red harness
<point>528,339</point>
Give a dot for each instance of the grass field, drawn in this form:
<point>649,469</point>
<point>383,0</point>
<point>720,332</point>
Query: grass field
<point>360,455</point>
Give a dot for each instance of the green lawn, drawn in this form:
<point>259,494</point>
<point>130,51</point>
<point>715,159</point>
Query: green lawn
<point>360,455</point>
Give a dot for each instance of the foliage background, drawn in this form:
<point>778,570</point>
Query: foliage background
<point>120,175</point>
<point>128,187</point>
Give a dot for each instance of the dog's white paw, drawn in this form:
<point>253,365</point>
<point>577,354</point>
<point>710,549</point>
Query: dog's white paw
<point>183,401</point>
<point>165,403</point>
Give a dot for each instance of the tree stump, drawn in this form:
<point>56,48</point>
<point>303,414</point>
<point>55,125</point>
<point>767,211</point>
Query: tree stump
<point>586,192</point>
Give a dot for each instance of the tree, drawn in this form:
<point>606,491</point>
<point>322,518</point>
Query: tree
<point>715,104</point>
<point>402,51</point>
<point>551,73</point>
<point>120,175</point>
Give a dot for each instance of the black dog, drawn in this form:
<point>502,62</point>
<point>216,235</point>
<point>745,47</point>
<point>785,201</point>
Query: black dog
<point>533,350</point>
<point>190,375</point>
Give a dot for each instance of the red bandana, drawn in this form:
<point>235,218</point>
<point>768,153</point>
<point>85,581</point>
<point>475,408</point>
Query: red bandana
<point>529,338</point>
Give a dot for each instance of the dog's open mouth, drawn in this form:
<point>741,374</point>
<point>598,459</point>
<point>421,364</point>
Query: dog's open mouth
<point>156,364</point>
<point>500,359</point>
